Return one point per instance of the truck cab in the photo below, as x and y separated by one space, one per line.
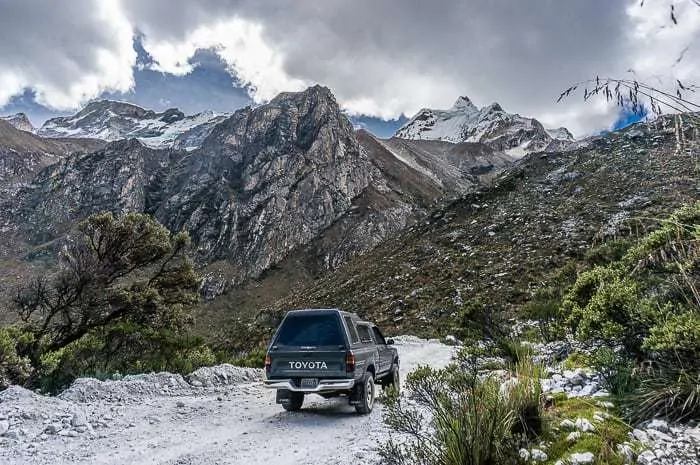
331 353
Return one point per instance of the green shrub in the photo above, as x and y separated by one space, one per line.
617 371
14 369
463 419
124 349
609 251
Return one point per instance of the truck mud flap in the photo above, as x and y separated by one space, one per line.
354 396
283 396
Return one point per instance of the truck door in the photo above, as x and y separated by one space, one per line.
385 354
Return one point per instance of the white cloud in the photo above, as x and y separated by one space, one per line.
380 58
67 52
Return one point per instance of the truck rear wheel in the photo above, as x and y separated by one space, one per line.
296 399
365 392
392 380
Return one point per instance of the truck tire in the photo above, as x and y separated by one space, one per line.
392 380
365 391
296 399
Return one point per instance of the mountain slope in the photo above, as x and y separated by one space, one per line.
110 120
502 243
23 155
491 125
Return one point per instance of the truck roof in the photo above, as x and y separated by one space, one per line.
324 310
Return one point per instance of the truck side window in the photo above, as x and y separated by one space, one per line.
378 336
365 336
354 338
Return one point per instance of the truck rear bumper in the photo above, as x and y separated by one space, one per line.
324 385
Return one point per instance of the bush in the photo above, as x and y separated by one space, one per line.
123 349
459 418
14 369
645 304
669 392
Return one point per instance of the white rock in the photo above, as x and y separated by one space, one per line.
659 425
524 454
78 419
53 428
574 436
640 435
581 458
583 425
658 436
538 455
626 451
646 458
567 425
4 426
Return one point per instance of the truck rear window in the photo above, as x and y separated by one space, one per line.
310 330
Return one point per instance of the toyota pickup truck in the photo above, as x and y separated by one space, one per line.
331 353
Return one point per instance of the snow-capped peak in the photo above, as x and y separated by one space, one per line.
463 103
114 120
491 125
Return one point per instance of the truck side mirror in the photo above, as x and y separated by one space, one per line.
389 342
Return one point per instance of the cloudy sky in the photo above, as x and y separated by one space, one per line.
383 59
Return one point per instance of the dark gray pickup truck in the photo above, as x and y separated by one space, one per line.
330 353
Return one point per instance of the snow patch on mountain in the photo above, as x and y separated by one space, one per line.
465 122
19 121
111 120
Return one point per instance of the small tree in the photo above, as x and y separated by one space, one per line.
116 271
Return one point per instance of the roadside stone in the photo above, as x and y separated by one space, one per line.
78 419
538 455
524 454
584 425
659 425
53 428
567 425
640 435
646 458
581 458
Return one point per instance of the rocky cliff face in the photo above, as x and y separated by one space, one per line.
491 125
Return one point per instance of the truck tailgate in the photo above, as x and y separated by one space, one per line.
322 363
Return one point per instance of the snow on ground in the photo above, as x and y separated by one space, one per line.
162 419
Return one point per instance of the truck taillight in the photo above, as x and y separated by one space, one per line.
268 362
350 362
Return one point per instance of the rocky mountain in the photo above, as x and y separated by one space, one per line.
286 179
19 121
111 120
490 125
501 243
